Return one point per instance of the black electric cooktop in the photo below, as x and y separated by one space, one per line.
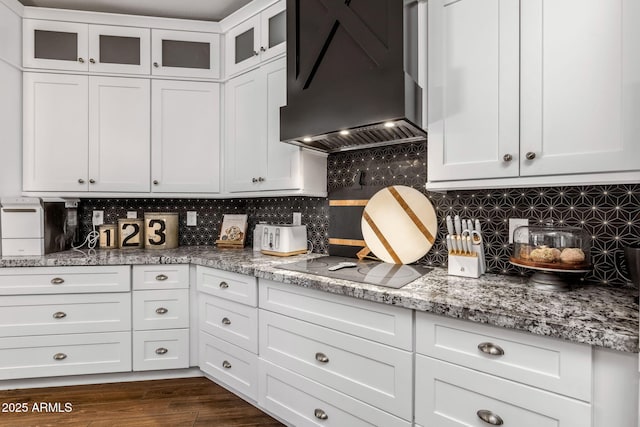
366 271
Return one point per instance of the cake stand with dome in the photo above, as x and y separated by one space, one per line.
555 252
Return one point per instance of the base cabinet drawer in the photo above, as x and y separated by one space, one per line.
450 396
302 402
229 364
165 276
22 315
228 285
56 355
163 349
160 309
230 321
67 280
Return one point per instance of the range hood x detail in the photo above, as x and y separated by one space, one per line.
350 74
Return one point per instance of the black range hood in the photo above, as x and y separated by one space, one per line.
351 67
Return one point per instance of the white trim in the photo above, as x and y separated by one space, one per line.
15 6
249 10
239 195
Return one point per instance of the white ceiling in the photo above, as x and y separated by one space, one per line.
206 10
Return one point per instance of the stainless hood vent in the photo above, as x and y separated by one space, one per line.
351 67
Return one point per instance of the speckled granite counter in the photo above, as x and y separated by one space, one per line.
596 315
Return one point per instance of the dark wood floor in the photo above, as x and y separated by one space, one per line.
175 402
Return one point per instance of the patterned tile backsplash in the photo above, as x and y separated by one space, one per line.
610 214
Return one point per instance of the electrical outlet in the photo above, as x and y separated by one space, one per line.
297 218
98 218
132 214
192 218
515 223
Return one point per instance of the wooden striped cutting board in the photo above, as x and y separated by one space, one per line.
399 224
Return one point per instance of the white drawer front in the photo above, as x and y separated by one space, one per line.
228 285
374 373
302 402
233 322
374 321
229 364
168 349
67 280
64 314
161 309
165 276
542 362
55 355
448 395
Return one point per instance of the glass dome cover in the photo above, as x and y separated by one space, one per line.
551 247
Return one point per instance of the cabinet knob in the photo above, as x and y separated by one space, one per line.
57 281
59 315
507 157
80 181
530 155
256 53
263 49
81 60
491 348
161 310
92 181
91 60
489 417
261 179
155 182
322 358
161 351
161 277
254 179
59 356
226 365
320 414
226 321
224 285
156 65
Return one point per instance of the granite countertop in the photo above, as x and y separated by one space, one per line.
591 314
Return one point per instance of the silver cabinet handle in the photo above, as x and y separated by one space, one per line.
507 157
81 60
59 356
161 310
161 277
489 417
491 348
530 155
263 49
59 315
57 281
93 61
226 365
322 358
261 179
161 351
155 182
92 181
254 179
320 414
80 181
156 65
224 285
226 321
256 53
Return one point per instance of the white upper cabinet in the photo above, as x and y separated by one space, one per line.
257 39
82 47
185 54
185 137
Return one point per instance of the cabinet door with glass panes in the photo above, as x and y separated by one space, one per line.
185 54
257 39
72 46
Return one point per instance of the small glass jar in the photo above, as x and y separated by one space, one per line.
553 247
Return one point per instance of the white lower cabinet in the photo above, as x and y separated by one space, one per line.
161 349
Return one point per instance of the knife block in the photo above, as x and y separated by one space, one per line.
464 265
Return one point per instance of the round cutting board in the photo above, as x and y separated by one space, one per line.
399 224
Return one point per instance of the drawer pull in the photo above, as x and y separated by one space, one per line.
57 281
161 277
59 356
322 358
59 315
489 417
491 348
226 365
226 321
161 351
320 414
224 285
161 310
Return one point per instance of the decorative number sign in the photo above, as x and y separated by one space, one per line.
161 230
131 233
108 236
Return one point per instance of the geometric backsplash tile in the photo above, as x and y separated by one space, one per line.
610 214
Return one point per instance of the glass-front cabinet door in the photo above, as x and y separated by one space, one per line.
55 45
273 24
119 49
185 54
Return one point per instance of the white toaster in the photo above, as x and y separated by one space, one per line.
283 239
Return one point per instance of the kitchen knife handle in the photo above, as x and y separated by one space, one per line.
450 225
457 224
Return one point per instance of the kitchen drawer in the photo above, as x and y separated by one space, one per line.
230 321
448 395
229 364
55 355
370 320
377 374
64 280
166 349
161 309
542 362
302 402
22 315
165 276
224 284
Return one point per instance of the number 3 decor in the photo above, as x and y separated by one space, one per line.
161 230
